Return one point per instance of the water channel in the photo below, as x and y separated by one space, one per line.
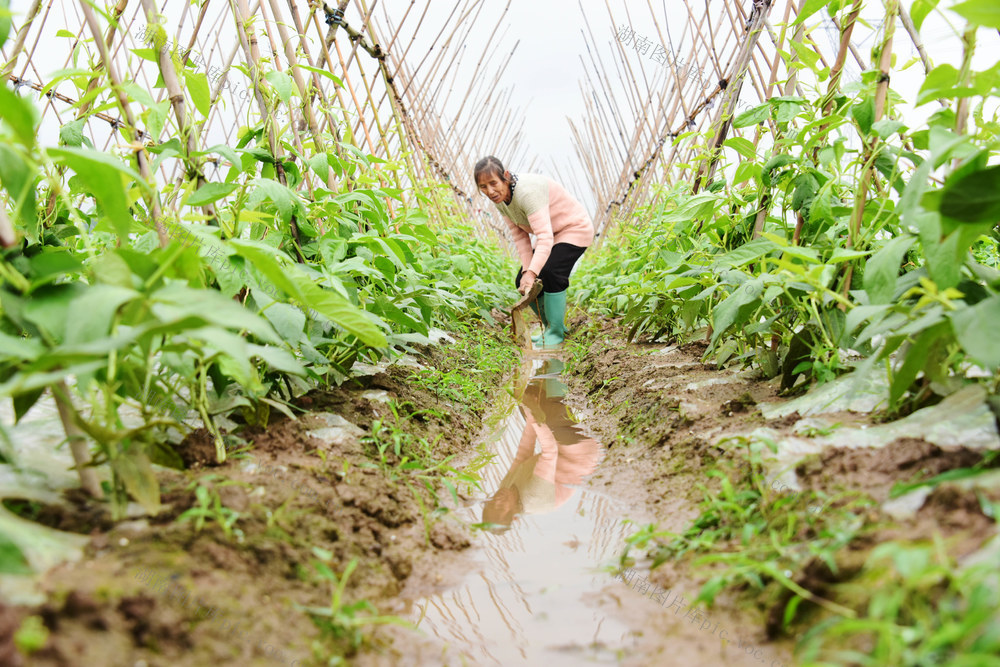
539 566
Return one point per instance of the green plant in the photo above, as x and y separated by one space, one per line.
845 230
108 299
31 636
922 609
342 621
210 507
761 539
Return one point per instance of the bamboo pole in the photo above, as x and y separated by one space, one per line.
142 160
78 446
881 95
19 38
733 88
177 102
248 42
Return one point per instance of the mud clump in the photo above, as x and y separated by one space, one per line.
876 470
197 448
741 404
10 621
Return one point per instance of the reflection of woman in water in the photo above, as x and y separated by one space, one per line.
541 482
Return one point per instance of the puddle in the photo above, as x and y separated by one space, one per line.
531 594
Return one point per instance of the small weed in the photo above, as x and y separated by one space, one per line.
402 456
342 622
210 507
810 431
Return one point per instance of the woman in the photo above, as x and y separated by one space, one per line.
532 203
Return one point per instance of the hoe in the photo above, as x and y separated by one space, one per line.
520 329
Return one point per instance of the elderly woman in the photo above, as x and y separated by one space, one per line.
535 204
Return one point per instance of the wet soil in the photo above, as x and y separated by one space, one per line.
157 591
665 416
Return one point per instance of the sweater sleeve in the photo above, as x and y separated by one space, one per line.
521 241
541 225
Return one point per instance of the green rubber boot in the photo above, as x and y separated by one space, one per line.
554 307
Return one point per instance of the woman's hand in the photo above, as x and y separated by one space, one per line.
528 279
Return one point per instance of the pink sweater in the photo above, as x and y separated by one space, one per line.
544 208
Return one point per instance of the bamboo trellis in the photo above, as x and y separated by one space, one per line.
380 79
351 67
726 59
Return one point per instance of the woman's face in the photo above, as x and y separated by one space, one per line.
495 187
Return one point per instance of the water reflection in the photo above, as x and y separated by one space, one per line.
529 597
540 482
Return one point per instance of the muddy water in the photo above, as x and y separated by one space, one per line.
530 596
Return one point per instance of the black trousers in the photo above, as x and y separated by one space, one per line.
555 274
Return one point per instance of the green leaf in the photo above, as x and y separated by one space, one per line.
177 303
71 133
920 10
282 84
136 473
746 171
209 193
16 348
937 84
107 178
293 282
12 560
323 72
807 53
285 199
24 402
864 114
975 328
5 23
806 186
776 162
787 111
287 320
745 254
742 146
90 315
225 151
981 12
20 114
887 127
197 86
112 269
398 316
916 359
882 270
974 197
752 116
22 382
277 358
736 307
810 8
49 306
909 202
320 165
18 177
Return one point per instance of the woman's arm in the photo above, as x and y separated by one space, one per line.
521 242
541 225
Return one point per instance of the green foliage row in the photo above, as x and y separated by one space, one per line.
251 315
905 275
